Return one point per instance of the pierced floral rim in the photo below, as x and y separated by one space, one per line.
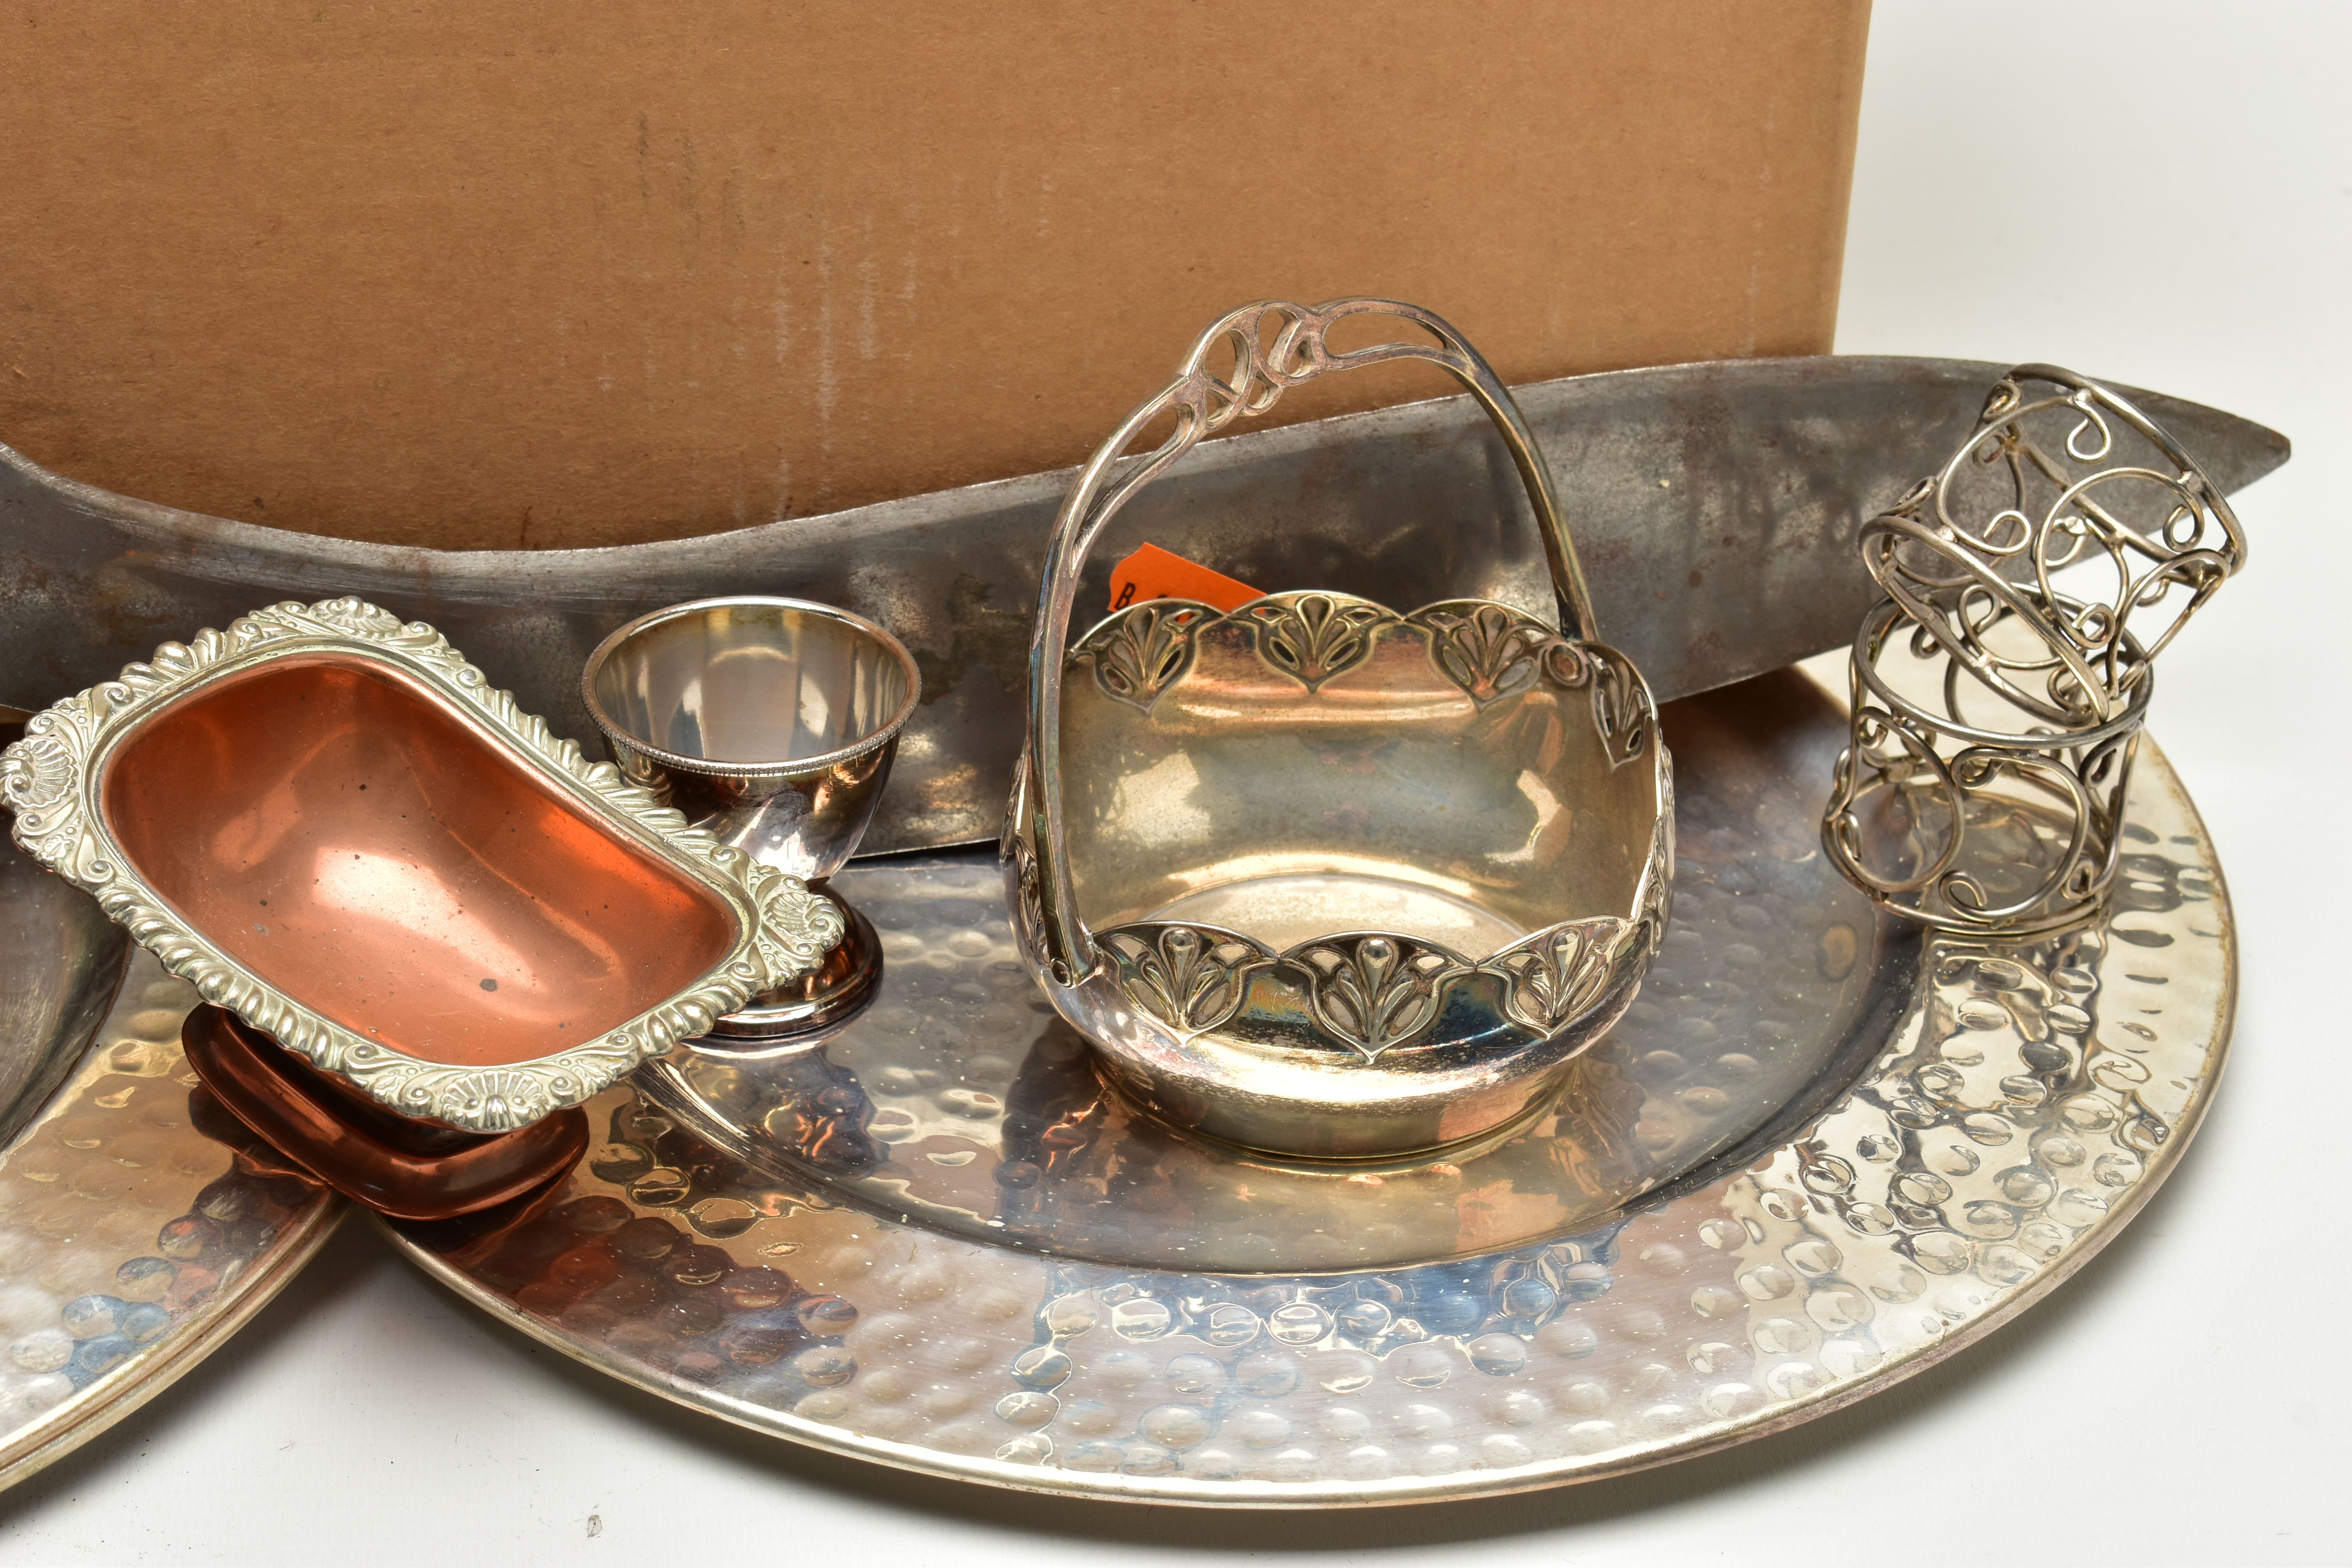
1376 995
1490 650
1370 991
49 780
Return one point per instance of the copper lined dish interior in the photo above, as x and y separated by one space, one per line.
347 839
339 831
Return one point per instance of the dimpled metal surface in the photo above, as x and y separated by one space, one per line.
1994 1128
961 1099
138 1230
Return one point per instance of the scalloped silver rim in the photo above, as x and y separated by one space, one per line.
49 780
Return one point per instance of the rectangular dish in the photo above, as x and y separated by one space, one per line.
331 823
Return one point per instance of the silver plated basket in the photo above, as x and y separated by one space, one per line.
1361 883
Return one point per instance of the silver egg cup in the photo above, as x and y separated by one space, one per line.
771 723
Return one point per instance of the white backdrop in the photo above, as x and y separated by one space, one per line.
2157 194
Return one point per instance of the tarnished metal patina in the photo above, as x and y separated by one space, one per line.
1715 506
1738 1238
331 823
1355 883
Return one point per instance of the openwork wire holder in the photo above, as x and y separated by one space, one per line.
1999 688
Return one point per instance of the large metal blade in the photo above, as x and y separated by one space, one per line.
1715 506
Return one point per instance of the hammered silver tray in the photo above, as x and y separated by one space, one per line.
139 1225
1817 1155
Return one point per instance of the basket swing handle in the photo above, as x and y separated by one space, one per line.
1205 400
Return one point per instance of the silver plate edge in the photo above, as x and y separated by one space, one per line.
45 1443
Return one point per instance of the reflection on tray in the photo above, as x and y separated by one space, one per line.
960 1100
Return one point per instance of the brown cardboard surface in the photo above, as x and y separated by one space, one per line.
489 273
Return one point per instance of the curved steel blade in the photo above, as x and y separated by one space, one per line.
1714 505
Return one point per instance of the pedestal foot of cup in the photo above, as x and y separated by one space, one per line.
828 994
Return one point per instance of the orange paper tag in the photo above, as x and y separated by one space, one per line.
1152 573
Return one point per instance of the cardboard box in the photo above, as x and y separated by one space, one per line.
495 274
